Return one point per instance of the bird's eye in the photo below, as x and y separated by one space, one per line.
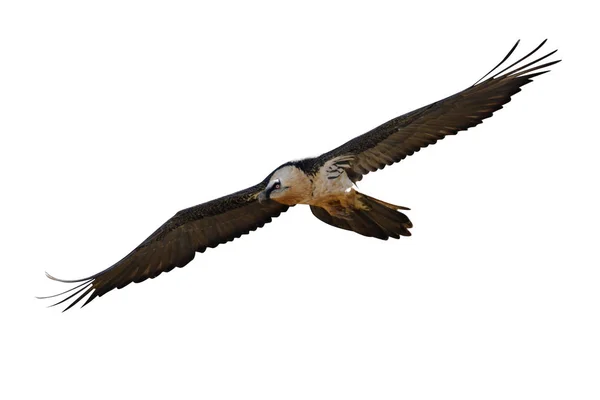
277 186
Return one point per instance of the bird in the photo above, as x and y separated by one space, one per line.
327 184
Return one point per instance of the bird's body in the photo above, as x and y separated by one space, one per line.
317 186
325 183
325 186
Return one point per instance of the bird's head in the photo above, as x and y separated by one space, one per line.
289 185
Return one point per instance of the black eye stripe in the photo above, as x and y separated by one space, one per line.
275 185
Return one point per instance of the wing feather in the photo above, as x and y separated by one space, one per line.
407 134
175 243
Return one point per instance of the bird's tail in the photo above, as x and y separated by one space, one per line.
374 218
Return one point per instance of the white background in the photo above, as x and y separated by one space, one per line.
117 114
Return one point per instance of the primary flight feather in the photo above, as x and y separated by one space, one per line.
325 183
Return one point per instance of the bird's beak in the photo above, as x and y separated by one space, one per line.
262 197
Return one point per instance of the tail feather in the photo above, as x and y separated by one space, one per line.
374 218
389 226
395 223
367 226
388 205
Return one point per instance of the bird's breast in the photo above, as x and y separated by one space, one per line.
326 188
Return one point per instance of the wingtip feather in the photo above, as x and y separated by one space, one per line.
66 291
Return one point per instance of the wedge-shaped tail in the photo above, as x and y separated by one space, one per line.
375 218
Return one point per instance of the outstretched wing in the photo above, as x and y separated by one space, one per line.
407 134
174 244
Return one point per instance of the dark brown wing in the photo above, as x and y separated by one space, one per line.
407 134
174 244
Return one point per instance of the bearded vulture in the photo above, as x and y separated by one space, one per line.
325 183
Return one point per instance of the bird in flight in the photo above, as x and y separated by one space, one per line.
326 183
